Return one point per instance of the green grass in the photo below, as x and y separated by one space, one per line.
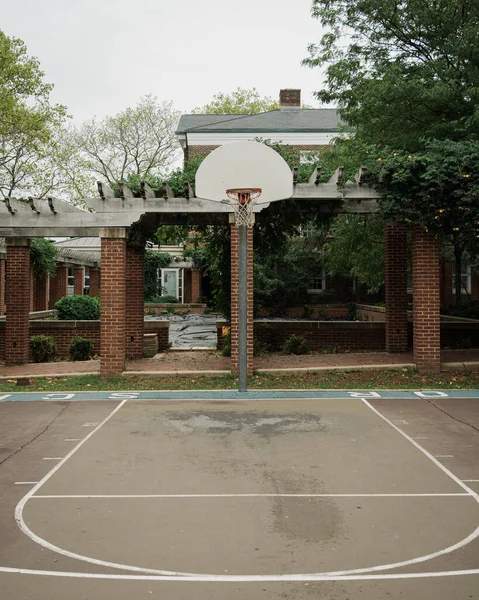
406 379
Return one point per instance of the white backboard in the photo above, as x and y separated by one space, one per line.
244 165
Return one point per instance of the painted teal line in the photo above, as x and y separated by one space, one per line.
232 395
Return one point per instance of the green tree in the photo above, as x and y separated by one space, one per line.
354 248
283 272
401 71
139 141
43 255
27 118
239 102
437 189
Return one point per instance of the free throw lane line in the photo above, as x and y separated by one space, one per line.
222 496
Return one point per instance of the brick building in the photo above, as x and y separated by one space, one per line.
305 129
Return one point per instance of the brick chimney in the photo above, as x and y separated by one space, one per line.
289 99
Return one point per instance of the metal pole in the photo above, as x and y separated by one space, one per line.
243 309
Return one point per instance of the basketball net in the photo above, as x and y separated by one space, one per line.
243 203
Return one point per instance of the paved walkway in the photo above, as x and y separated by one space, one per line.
211 362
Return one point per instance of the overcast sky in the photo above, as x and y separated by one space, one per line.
102 55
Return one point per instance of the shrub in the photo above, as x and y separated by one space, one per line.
164 300
43 348
226 350
78 308
80 348
296 344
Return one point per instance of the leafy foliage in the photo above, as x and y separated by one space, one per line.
285 271
296 344
138 141
80 348
402 71
164 300
239 102
78 308
354 247
42 348
43 255
27 119
153 262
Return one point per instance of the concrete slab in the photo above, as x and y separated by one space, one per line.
313 469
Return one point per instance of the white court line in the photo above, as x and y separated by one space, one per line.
46 544
421 437
52 458
444 455
470 480
243 578
26 482
363 573
72 439
221 496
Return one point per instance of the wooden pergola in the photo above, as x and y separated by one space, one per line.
110 217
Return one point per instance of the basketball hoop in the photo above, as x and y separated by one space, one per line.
242 202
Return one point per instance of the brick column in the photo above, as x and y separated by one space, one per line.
234 299
113 301
41 292
135 313
2 286
78 281
395 245
425 282
17 338
196 279
59 285
94 281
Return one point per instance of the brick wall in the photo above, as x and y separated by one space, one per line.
94 282
187 292
426 300
78 281
113 303
65 331
321 335
58 285
2 286
310 311
395 242
151 308
17 337
41 292
135 284
196 277
445 275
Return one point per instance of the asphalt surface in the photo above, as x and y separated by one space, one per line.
332 498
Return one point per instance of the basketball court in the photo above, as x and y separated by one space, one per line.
226 498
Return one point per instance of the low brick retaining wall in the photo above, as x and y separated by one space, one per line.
311 311
65 331
321 335
349 335
177 308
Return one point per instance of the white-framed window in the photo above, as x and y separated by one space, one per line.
71 281
86 285
465 280
318 284
172 283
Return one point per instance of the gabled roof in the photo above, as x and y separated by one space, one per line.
296 120
79 242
